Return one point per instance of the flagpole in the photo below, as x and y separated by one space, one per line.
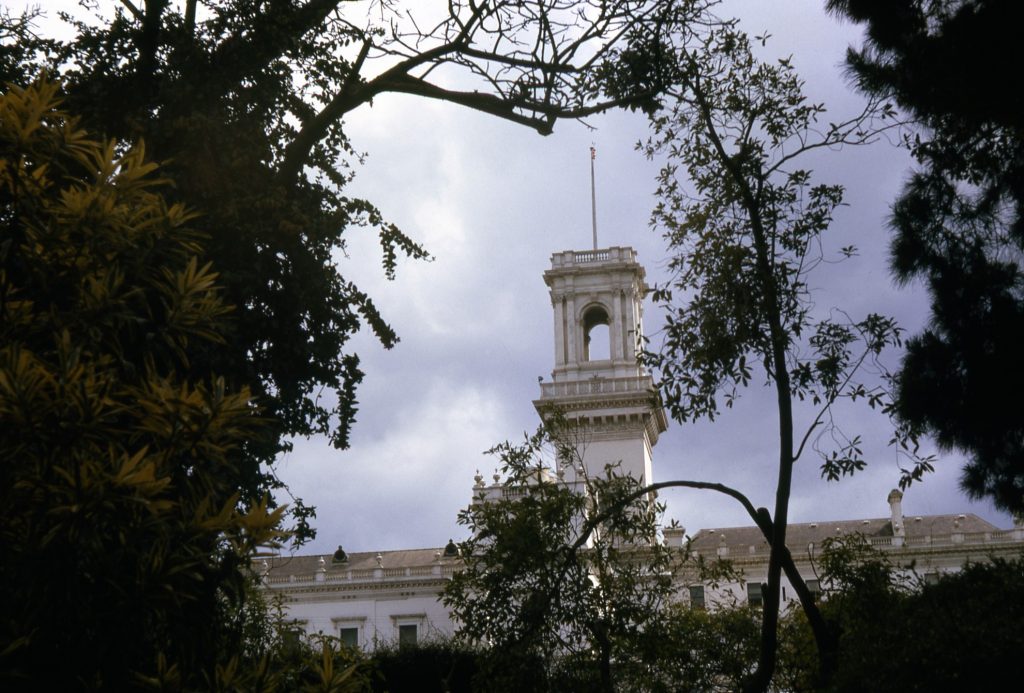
593 195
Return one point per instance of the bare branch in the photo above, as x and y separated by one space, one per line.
523 55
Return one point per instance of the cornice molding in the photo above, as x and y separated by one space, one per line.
351 592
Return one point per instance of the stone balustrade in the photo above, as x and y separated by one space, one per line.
570 258
597 386
887 544
369 575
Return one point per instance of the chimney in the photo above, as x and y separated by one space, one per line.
896 513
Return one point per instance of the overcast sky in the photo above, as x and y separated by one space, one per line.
492 201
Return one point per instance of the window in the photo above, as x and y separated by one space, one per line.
931 578
597 342
754 594
407 628
407 634
350 630
697 596
292 635
814 587
349 636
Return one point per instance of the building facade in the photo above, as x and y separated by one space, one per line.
596 384
925 545
364 598
599 387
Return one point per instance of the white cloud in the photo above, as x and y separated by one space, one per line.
401 485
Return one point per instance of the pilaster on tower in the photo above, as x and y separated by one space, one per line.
601 389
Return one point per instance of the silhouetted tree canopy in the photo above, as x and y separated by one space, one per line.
959 221
120 531
900 632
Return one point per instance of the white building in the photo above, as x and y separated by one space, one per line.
365 598
928 545
597 300
597 383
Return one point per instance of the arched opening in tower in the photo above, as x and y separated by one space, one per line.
597 341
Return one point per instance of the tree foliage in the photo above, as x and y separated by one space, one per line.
245 101
437 665
119 525
897 630
693 649
550 591
900 632
744 219
958 222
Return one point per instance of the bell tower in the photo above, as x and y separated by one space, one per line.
597 383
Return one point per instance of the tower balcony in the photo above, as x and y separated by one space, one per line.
597 386
572 258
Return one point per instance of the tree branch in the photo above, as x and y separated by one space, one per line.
516 111
350 96
190 18
512 61
268 40
829 402
135 11
542 68
824 636
148 41
839 134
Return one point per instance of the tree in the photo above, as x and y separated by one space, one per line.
744 220
124 551
553 593
900 632
245 101
694 649
958 222
438 665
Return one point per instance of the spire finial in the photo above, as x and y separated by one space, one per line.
593 194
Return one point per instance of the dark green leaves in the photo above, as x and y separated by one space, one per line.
123 538
555 570
958 222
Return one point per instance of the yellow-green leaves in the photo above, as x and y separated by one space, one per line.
123 533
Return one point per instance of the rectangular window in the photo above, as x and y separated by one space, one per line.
406 635
349 636
292 635
931 578
697 596
814 587
754 594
